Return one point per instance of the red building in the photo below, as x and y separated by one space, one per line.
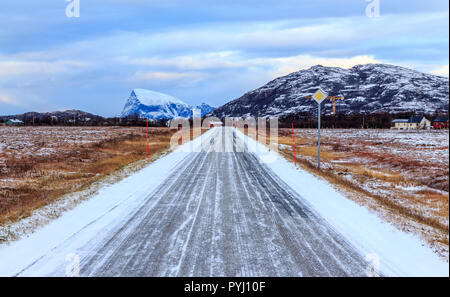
440 123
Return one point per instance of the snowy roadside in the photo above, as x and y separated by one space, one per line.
42 216
91 216
399 253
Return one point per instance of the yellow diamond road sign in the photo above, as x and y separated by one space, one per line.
319 96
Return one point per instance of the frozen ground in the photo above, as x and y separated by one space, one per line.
213 213
38 165
401 175
21 142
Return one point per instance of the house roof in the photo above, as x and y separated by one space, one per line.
441 120
416 119
413 119
15 121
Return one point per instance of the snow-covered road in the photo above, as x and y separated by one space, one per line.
211 214
222 214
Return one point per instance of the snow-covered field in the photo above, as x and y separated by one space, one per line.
40 164
22 142
385 247
399 253
402 175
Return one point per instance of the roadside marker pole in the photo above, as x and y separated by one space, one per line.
319 96
148 146
179 128
318 146
293 139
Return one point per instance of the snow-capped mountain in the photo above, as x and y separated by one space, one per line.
205 108
367 89
154 105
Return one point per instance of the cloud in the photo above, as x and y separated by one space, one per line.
442 71
210 62
349 36
21 100
236 59
200 61
169 76
9 101
284 66
20 68
328 37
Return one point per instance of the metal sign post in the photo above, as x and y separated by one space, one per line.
318 138
319 96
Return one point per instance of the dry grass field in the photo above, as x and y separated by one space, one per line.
40 164
402 175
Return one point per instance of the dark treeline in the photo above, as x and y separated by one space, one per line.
304 120
131 121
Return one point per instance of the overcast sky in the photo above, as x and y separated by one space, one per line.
199 51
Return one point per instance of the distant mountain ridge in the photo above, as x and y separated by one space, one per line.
65 116
155 105
370 88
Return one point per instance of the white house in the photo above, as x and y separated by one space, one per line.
400 124
14 122
414 122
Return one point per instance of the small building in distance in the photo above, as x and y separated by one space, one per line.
215 124
14 122
440 123
414 122
419 122
400 124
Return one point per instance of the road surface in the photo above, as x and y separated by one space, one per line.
218 214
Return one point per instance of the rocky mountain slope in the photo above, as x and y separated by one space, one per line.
370 88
